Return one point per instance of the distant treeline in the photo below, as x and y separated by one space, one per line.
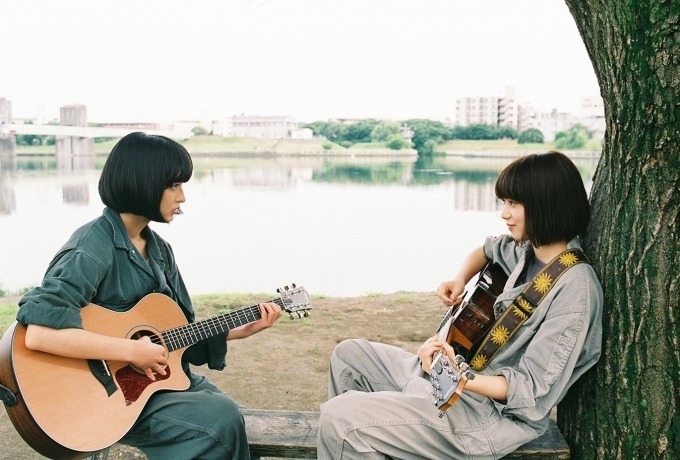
425 135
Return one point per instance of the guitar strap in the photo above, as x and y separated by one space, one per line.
523 306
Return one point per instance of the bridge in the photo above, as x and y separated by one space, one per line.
86 132
74 143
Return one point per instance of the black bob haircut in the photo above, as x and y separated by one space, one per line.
551 190
139 169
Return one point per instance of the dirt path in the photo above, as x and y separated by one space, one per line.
286 367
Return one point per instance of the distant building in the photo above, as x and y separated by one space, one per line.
259 127
592 116
549 122
222 128
73 115
5 110
477 110
302 134
506 111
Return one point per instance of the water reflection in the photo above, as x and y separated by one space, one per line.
341 226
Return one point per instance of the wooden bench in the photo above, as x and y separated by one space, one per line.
292 434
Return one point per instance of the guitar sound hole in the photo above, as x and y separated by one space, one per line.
137 335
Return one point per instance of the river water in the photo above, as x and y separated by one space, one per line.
339 226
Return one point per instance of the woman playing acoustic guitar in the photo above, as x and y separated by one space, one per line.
115 261
381 403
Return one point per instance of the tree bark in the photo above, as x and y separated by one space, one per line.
627 406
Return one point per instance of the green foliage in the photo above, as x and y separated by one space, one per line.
531 136
360 131
199 131
385 130
574 138
344 134
427 134
327 145
29 139
481 131
396 142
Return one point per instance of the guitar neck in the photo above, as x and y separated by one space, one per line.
191 333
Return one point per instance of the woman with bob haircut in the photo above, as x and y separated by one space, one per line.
381 397
116 260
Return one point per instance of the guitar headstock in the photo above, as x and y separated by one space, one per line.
448 379
294 300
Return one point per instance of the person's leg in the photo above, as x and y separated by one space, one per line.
361 365
385 424
199 423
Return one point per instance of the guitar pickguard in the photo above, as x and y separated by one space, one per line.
133 382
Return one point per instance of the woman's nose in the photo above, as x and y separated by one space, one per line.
504 212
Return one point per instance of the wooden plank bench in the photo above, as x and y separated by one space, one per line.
292 434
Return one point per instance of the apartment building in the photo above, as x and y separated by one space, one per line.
260 127
505 111
263 127
5 110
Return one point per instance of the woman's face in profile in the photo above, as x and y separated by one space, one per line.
173 197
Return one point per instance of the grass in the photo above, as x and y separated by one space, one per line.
508 145
8 313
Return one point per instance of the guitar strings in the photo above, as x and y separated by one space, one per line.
191 333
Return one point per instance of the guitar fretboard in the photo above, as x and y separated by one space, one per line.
189 334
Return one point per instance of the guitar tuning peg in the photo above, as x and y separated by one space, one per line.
294 285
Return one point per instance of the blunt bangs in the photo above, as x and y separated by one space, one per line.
139 169
551 190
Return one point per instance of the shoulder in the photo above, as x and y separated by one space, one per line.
578 289
505 251
94 239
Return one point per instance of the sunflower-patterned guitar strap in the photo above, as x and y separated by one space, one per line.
523 306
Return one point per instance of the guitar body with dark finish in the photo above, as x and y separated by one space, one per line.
468 322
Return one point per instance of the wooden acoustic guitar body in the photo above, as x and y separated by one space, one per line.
64 411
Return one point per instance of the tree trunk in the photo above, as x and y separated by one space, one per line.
627 406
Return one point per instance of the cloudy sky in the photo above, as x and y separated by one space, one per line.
166 60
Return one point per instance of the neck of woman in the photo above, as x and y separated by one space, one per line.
548 252
134 224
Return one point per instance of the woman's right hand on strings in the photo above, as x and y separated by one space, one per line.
149 358
450 291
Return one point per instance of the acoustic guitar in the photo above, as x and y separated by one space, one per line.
463 326
70 408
